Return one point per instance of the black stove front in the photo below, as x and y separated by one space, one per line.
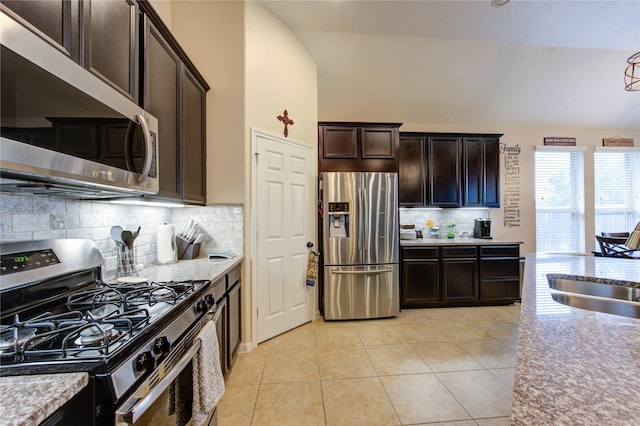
60 317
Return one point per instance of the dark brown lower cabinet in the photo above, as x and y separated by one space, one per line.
499 273
460 275
234 285
420 277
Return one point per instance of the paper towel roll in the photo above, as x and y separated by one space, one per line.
166 244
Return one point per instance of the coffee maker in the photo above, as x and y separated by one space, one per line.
482 228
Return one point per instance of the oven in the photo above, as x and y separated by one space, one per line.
136 340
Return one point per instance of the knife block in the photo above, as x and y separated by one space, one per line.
186 249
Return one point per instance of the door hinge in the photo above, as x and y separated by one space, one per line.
257 312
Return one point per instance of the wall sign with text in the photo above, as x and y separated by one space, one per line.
511 193
556 141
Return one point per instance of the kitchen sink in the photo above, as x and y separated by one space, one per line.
595 296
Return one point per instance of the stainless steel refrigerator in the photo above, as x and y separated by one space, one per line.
361 245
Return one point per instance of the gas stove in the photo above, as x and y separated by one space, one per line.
58 315
93 324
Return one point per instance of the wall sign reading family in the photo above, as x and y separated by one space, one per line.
511 204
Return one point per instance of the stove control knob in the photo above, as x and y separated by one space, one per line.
202 306
161 346
145 361
210 300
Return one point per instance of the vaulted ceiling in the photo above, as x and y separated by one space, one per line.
526 63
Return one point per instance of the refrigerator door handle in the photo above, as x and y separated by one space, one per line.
361 224
369 272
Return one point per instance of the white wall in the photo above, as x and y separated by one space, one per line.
163 7
279 75
212 34
257 68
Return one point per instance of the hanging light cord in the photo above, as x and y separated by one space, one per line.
632 74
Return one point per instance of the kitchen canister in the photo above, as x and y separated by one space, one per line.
166 244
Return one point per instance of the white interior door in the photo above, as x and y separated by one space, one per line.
283 209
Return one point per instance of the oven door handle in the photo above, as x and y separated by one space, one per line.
133 408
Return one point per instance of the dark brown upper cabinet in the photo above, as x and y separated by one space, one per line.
473 172
126 44
107 30
111 43
358 147
443 171
162 100
175 93
481 172
56 21
194 147
491 172
411 178
451 170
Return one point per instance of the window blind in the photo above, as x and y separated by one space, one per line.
559 188
616 190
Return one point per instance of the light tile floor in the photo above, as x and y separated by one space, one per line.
452 366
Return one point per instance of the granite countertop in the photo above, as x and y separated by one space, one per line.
195 269
29 400
576 366
461 241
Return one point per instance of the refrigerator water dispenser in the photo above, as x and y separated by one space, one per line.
338 220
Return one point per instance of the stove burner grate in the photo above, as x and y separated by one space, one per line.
94 298
69 334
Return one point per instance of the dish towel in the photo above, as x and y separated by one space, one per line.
208 381
180 401
312 268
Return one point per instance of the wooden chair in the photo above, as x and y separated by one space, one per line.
614 247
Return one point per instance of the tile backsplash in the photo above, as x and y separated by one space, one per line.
463 218
26 217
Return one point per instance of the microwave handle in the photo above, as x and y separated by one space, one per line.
149 148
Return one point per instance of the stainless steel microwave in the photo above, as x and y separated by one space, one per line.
66 132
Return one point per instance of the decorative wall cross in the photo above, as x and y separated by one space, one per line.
286 121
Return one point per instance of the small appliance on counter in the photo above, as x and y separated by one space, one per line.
482 228
408 232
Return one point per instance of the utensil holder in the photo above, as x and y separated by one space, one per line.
126 262
186 249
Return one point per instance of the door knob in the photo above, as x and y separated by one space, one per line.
309 244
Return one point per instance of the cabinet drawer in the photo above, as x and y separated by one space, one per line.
459 251
420 253
500 268
500 251
233 277
502 289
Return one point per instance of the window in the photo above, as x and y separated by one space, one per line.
616 190
559 200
